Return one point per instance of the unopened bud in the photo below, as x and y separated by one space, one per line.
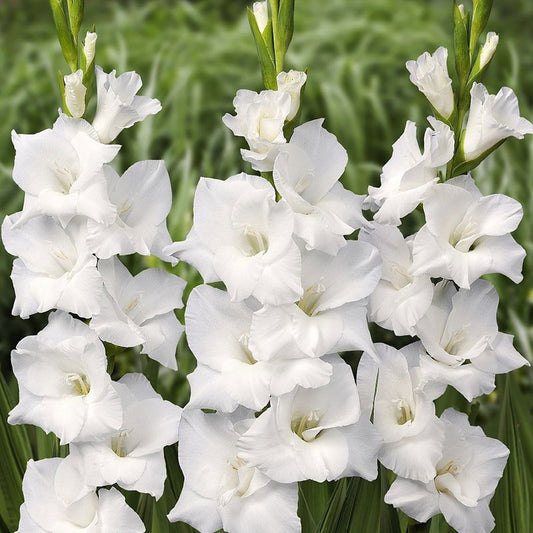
488 49
75 93
461 8
260 10
89 47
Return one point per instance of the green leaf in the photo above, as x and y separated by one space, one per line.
64 35
511 504
389 521
265 54
284 31
460 42
75 15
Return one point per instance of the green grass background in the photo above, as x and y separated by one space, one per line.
193 56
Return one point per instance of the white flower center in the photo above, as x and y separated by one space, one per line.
79 383
301 424
65 263
465 235
132 305
65 177
400 278
236 481
255 241
457 337
244 341
404 413
119 442
311 298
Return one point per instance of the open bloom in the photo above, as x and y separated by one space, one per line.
314 433
461 337
492 119
54 268
243 237
260 118
430 74
400 299
118 105
306 174
409 175
44 511
140 310
228 374
61 172
403 413
291 83
133 455
331 314
221 490
63 382
467 475
467 235
143 198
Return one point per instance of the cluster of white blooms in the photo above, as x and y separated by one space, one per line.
430 288
287 405
78 215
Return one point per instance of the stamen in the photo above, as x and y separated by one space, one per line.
309 421
404 412
117 444
311 298
79 383
256 241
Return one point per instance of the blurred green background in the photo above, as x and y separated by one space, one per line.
194 55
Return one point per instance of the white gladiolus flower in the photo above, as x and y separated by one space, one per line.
75 93
314 433
260 118
143 198
63 382
54 268
400 299
467 475
331 315
488 49
467 235
403 413
430 74
306 174
45 512
118 105
409 175
61 172
229 375
260 11
291 83
243 237
140 310
220 489
89 47
492 119
461 336
133 456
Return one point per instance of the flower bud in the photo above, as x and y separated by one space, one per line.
75 93
488 49
260 10
291 83
89 47
461 8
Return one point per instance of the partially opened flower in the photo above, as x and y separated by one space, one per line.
63 382
133 456
140 310
227 374
410 175
467 475
143 197
61 172
306 174
75 93
260 118
467 235
54 268
314 433
243 237
403 413
461 337
43 510
331 314
492 119
400 299
221 490
430 74
291 83
118 105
